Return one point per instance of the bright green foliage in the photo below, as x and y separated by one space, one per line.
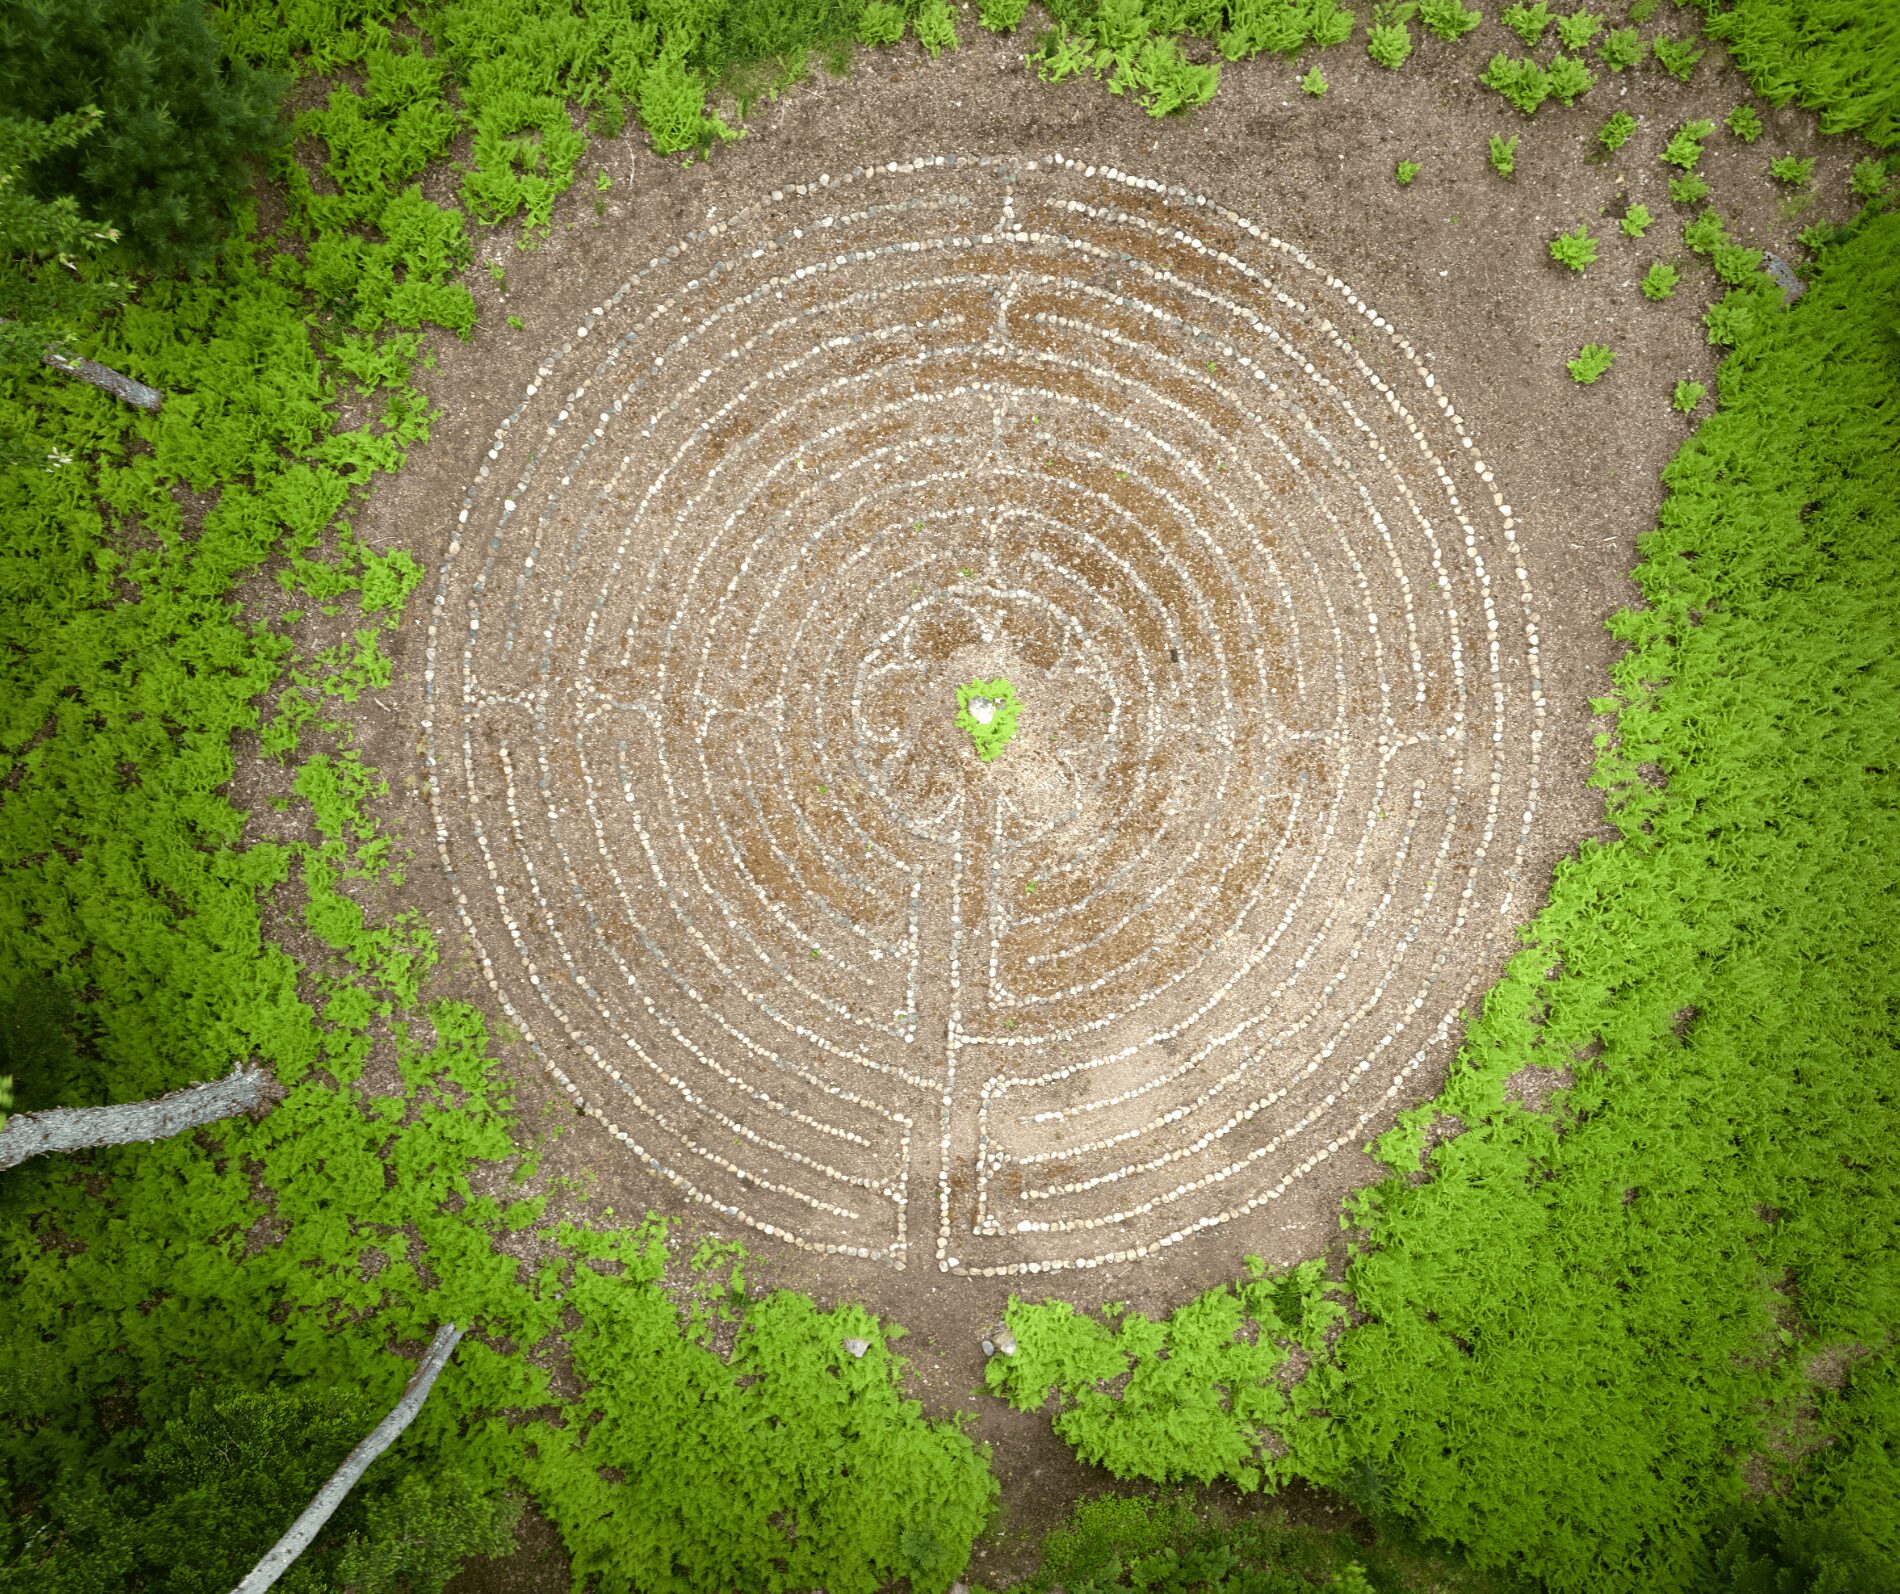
1575 249
992 736
1678 56
1706 233
1170 1543
1621 49
1524 83
1689 190
1869 179
1117 36
165 165
1838 57
1636 221
1282 27
1614 133
1592 360
1406 171
1735 264
1527 21
1448 19
1314 82
1787 169
1743 123
1642 10
1002 16
1389 44
1684 148
881 24
936 29
1659 282
1687 396
1201 1393
1569 79
1578 29
1503 154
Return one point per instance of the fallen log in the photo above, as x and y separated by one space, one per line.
28 1134
116 383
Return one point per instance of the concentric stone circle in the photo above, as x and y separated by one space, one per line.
739 879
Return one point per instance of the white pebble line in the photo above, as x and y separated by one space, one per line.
806 271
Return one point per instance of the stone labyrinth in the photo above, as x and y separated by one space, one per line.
732 868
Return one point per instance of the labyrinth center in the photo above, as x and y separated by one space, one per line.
732 867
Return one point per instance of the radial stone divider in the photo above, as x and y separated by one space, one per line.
690 715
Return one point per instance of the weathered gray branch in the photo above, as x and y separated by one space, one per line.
278 1559
28 1134
102 376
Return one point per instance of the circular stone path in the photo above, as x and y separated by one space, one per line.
689 703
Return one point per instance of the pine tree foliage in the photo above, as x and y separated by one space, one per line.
167 163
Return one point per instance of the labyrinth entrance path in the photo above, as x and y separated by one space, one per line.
689 693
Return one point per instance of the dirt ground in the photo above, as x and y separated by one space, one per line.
1456 263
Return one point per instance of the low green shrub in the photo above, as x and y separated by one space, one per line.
1503 155
1687 396
1743 123
1621 49
1684 148
1659 282
1788 169
1406 171
1527 21
1575 249
1523 82
1576 31
1591 362
1448 19
1678 56
1569 79
1614 133
1636 221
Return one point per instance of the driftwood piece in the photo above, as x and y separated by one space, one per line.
104 377
27 1134
277 1560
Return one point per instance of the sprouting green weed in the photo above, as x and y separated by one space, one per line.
1527 21
1706 233
1448 19
1503 156
1684 148
1660 281
1406 171
1524 83
1575 249
602 182
1591 362
1578 29
1621 49
1388 41
1743 123
516 322
1614 133
1689 190
1314 82
1788 169
1687 396
1569 79
1643 10
1637 221
1869 180
500 273
1678 56
987 712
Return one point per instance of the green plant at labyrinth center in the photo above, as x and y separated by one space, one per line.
986 713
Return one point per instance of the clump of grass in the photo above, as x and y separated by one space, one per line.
1524 83
1575 249
1684 148
1503 155
1448 19
1621 49
1527 21
1637 221
1678 56
1687 396
1743 123
1660 281
1592 360
1787 169
1615 133
1314 82
1406 171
